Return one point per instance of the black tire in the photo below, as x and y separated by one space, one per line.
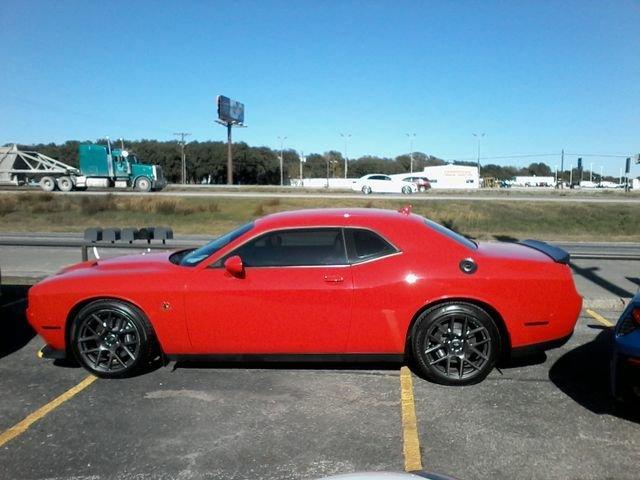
366 189
143 184
65 184
455 343
117 328
48 184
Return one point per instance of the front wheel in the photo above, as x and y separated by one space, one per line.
143 184
112 339
455 343
407 190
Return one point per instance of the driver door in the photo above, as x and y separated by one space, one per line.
295 297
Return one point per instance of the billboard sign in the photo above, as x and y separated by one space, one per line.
230 111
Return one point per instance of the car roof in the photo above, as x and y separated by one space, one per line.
331 217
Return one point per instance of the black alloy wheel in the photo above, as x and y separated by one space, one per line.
455 343
112 339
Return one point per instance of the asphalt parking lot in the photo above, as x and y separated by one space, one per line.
543 417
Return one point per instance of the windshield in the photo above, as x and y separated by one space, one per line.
451 234
199 254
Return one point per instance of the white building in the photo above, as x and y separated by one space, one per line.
534 181
453 176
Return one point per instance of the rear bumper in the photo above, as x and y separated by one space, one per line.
540 347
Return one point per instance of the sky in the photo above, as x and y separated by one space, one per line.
535 76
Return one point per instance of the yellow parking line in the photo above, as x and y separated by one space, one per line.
411 442
599 318
20 427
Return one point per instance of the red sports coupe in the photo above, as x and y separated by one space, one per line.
334 283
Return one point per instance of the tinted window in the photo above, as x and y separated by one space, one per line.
295 248
377 177
451 234
365 245
199 254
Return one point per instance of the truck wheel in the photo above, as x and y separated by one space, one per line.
143 184
48 184
65 184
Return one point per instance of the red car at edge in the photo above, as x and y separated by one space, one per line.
334 283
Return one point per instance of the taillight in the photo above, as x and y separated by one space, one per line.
630 323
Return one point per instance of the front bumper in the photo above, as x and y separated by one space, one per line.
49 352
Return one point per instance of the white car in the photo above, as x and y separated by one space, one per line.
379 183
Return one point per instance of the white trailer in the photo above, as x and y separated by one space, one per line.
19 167
453 176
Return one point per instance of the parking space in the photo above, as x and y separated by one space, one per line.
544 417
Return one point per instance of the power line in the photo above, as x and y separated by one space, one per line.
182 135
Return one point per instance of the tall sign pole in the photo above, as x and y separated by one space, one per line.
230 113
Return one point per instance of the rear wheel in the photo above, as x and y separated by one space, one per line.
455 343
406 190
65 184
48 184
143 184
112 339
366 189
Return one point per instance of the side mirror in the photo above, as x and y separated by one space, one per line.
234 266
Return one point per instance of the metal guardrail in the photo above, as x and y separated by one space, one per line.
85 246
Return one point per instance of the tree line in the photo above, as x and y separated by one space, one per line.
207 162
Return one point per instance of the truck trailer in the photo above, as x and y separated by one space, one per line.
100 167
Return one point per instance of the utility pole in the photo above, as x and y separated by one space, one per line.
562 169
182 135
411 137
479 136
346 137
591 172
282 139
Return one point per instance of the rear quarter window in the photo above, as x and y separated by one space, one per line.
363 244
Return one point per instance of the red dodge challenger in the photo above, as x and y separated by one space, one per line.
334 283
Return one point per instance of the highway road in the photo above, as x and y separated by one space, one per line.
428 197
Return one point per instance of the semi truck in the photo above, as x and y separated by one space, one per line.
100 166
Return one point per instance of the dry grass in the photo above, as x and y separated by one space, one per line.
37 212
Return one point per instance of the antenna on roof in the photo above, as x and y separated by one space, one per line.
406 209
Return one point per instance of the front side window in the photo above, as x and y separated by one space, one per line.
199 254
299 247
366 245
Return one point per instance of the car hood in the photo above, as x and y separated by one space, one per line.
125 263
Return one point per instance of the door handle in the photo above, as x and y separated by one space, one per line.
333 279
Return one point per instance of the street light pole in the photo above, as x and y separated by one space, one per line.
479 136
282 139
411 137
346 137
302 160
570 175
